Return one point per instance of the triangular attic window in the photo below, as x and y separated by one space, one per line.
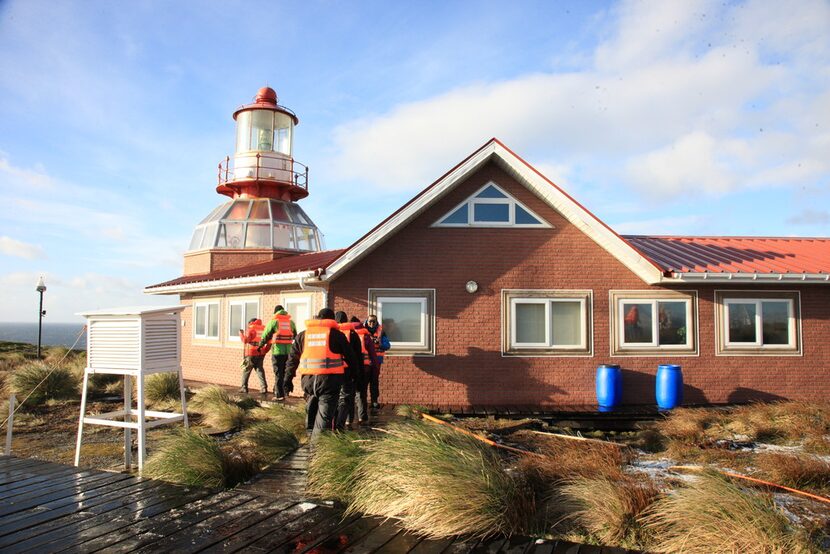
490 206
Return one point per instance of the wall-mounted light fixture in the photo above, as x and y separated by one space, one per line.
471 286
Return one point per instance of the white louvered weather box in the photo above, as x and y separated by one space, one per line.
135 343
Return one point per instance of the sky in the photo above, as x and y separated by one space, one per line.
663 118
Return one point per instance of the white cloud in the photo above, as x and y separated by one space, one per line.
20 249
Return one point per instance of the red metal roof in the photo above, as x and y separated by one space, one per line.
288 264
736 254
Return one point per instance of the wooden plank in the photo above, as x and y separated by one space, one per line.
22 481
462 545
322 530
273 524
489 546
345 535
431 546
158 521
375 539
565 547
307 521
178 521
217 528
517 545
51 483
75 488
403 542
23 472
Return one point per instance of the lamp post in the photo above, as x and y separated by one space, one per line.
41 288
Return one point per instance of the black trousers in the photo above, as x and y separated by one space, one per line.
363 395
278 361
321 395
345 404
374 385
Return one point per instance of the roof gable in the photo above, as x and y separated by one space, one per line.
526 175
491 206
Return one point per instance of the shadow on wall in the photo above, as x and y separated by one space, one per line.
492 387
743 394
639 389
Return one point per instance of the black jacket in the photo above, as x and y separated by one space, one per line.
337 344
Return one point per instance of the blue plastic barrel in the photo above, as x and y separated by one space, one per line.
609 386
669 387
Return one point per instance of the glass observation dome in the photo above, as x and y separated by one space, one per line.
257 223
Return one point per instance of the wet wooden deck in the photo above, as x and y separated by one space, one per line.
48 507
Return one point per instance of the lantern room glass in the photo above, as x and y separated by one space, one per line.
264 131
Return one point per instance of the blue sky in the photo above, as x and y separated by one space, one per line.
685 118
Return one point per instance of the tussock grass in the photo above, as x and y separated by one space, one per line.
565 458
247 403
209 396
162 387
788 421
610 509
711 514
440 483
192 458
270 439
289 417
410 411
794 471
332 470
218 409
688 425
61 383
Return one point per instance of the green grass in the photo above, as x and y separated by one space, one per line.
289 417
218 409
271 440
332 470
711 514
162 388
60 383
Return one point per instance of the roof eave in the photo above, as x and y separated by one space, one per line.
273 279
768 278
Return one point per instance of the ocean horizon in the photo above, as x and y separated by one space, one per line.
54 334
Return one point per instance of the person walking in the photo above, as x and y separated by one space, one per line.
321 355
254 355
382 344
345 404
280 333
370 362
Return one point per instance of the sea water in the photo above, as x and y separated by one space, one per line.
54 334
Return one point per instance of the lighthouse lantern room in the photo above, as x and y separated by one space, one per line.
262 221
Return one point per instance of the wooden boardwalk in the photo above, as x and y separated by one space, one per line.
48 507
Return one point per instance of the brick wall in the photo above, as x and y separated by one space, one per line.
468 368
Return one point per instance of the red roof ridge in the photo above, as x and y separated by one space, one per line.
723 237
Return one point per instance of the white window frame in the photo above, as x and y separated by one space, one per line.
512 297
206 305
723 298
233 334
511 202
655 324
425 298
298 299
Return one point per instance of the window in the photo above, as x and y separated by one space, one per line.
206 320
240 312
490 206
299 307
757 323
653 322
545 322
408 318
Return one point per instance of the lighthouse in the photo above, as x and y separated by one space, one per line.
262 220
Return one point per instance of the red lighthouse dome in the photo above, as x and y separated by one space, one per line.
263 164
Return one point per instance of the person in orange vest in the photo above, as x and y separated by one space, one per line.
382 344
321 355
280 333
370 364
254 355
345 404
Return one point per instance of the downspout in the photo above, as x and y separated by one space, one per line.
319 271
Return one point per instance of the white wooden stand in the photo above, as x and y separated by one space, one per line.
134 343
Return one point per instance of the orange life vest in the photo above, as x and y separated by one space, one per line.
376 339
345 328
363 332
282 334
317 357
252 339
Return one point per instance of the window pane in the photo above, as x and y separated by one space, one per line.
776 322
305 239
213 320
282 133
243 124
239 210
490 192
258 236
201 320
283 238
637 323
278 211
196 241
741 322
566 318
262 130
251 310
230 235
672 322
458 216
499 213
402 321
235 320
209 240
260 210
524 218
530 323
299 311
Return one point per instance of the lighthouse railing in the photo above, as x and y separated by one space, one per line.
256 166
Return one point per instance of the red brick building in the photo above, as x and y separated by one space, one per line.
496 288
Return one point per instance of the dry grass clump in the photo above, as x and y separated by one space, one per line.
440 483
292 418
162 388
412 411
788 421
332 470
270 439
60 383
794 471
218 409
193 458
610 509
688 425
564 458
711 514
